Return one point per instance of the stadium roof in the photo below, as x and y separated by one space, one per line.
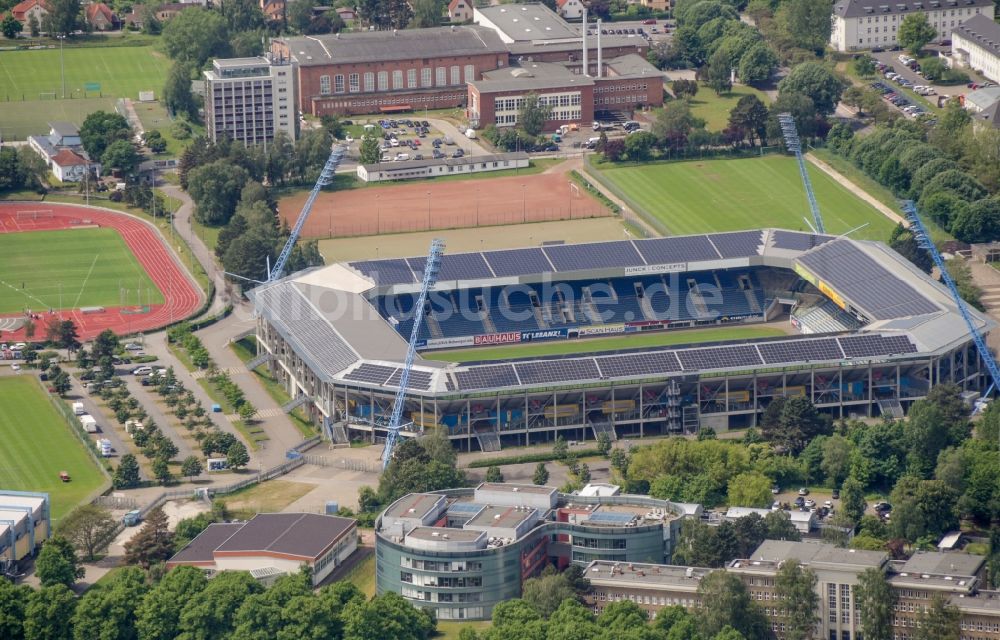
325 314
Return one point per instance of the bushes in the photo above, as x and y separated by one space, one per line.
544 456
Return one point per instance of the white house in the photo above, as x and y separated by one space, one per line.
804 521
975 44
69 166
570 9
63 152
430 167
873 24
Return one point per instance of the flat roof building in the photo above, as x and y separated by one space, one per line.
283 541
25 523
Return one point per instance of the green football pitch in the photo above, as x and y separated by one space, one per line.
591 345
699 196
69 269
38 444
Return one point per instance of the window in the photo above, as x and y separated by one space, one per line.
470 73
369 82
425 77
456 75
411 78
383 80
441 76
324 85
353 83
397 79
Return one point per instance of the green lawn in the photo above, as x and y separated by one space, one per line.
560 347
715 109
38 444
700 196
121 71
70 269
153 115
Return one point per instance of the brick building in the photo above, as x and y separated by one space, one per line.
381 71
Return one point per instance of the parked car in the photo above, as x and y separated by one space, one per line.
141 370
803 491
458 153
133 346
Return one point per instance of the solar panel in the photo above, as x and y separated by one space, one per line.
739 244
800 350
638 364
870 345
487 377
865 282
557 370
610 517
517 262
719 357
466 508
671 250
456 266
383 272
595 255
796 241
372 373
418 379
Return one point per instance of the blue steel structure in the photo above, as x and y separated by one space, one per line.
919 231
430 277
325 176
791 135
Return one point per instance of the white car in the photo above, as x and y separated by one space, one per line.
138 371
394 142
20 346
348 138
810 503
133 346
15 367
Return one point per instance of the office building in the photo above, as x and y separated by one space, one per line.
866 24
249 100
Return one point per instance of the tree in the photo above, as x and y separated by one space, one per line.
10 27
64 17
87 527
757 64
426 13
237 456
299 14
109 612
750 116
718 75
191 467
385 14
796 587
57 563
533 115
33 26
546 592
852 500
864 65
979 222
100 129
792 422
560 449
750 489
126 475
674 123
778 526
121 156
726 602
816 81
13 601
493 474
161 470
215 188
153 543
805 23
836 463
915 32
875 600
195 35
158 617
370 151
922 508
386 617
246 411
63 334
905 244
177 96
541 475
49 614
604 443
940 621
61 383
685 88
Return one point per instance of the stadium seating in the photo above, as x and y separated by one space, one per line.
828 318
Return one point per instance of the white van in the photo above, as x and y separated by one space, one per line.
138 371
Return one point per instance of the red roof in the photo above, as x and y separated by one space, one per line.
68 158
454 3
92 10
21 8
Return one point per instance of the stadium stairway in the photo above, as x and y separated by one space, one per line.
891 407
259 360
828 318
488 440
603 426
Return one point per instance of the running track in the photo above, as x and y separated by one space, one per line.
181 297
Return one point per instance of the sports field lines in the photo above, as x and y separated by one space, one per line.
591 345
70 269
700 196
38 444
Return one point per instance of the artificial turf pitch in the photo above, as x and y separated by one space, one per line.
37 444
91 267
705 196
591 345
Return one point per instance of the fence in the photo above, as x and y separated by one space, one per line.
347 464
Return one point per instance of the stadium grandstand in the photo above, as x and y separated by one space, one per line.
867 334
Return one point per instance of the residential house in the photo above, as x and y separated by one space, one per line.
975 44
132 20
69 166
165 12
274 10
63 152
658 6
570 9
346 14
460 11
24 11
100 17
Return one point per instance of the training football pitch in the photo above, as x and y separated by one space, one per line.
591 345
37 444
31 84
69 269
699 196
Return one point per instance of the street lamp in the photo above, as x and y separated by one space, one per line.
62 66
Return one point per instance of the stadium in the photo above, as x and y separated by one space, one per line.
863 333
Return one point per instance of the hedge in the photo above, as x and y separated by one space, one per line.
544 456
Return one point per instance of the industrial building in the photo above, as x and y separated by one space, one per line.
958 576
25 523
249 100
432 167
461 552
273 544
868 334
866 24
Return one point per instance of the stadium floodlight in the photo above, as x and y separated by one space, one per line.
792 142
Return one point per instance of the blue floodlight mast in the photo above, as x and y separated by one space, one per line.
919 232
430 277
791 135
325 176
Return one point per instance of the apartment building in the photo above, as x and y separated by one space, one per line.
249 100
975 44
874 24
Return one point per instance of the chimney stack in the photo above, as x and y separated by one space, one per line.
600 56
586 65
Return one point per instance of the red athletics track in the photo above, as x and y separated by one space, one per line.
181 296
